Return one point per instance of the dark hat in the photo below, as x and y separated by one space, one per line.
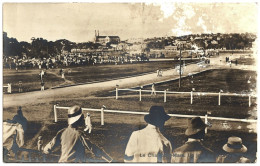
156 116
195 125
74 114
234 145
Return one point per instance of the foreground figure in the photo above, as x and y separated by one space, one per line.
193 151
235 151
148 144
74 145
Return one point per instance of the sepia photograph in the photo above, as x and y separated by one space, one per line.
129 82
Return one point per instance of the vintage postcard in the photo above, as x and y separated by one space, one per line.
140 82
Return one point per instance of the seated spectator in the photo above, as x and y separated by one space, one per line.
193 151
13 138
19 118
234 152
73 142
148 144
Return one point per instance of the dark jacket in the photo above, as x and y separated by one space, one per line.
74 146
193 152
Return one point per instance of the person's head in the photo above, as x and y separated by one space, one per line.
157 117
19 111
234 145
88 114
196 128
75 116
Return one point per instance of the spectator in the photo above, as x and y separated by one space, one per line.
39 143
193 151
13 138
9 88
153 90
148 144
20 85
42 86
235 151
88 123
73 141
19 118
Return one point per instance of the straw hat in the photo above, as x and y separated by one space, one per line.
234 145
195 125
156 116
74 114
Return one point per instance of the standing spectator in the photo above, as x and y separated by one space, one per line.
41 74
20 85
153 90
88 123
149 144
9 88
193 151
42 86
236 62
157 71
61 71
19 118
39 143
73 141
235 151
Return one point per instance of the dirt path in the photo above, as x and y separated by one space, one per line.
86 90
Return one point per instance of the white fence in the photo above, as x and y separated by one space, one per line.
9 88
103 110
165 92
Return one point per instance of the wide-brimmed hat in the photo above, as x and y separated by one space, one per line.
156 116
234 145
195 125
74 114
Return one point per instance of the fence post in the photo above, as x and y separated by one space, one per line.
219 98
116 93
191 97
206 122
165 96
249 100
140 94
55 113
102 116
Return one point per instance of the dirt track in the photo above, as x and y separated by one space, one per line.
87 90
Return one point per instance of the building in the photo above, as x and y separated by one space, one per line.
106 39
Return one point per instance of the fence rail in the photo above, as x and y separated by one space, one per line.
9 88
192 93
103 110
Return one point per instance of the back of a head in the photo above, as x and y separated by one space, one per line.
75 116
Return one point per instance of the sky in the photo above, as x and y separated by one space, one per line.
77 22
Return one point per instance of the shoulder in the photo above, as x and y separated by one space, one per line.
181 148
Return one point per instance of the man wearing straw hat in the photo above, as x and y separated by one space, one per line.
193 151
148 144
235 151
73 141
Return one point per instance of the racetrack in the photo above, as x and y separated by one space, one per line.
86 90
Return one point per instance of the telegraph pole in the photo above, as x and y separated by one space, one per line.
180 68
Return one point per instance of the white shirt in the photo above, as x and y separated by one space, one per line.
147 145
